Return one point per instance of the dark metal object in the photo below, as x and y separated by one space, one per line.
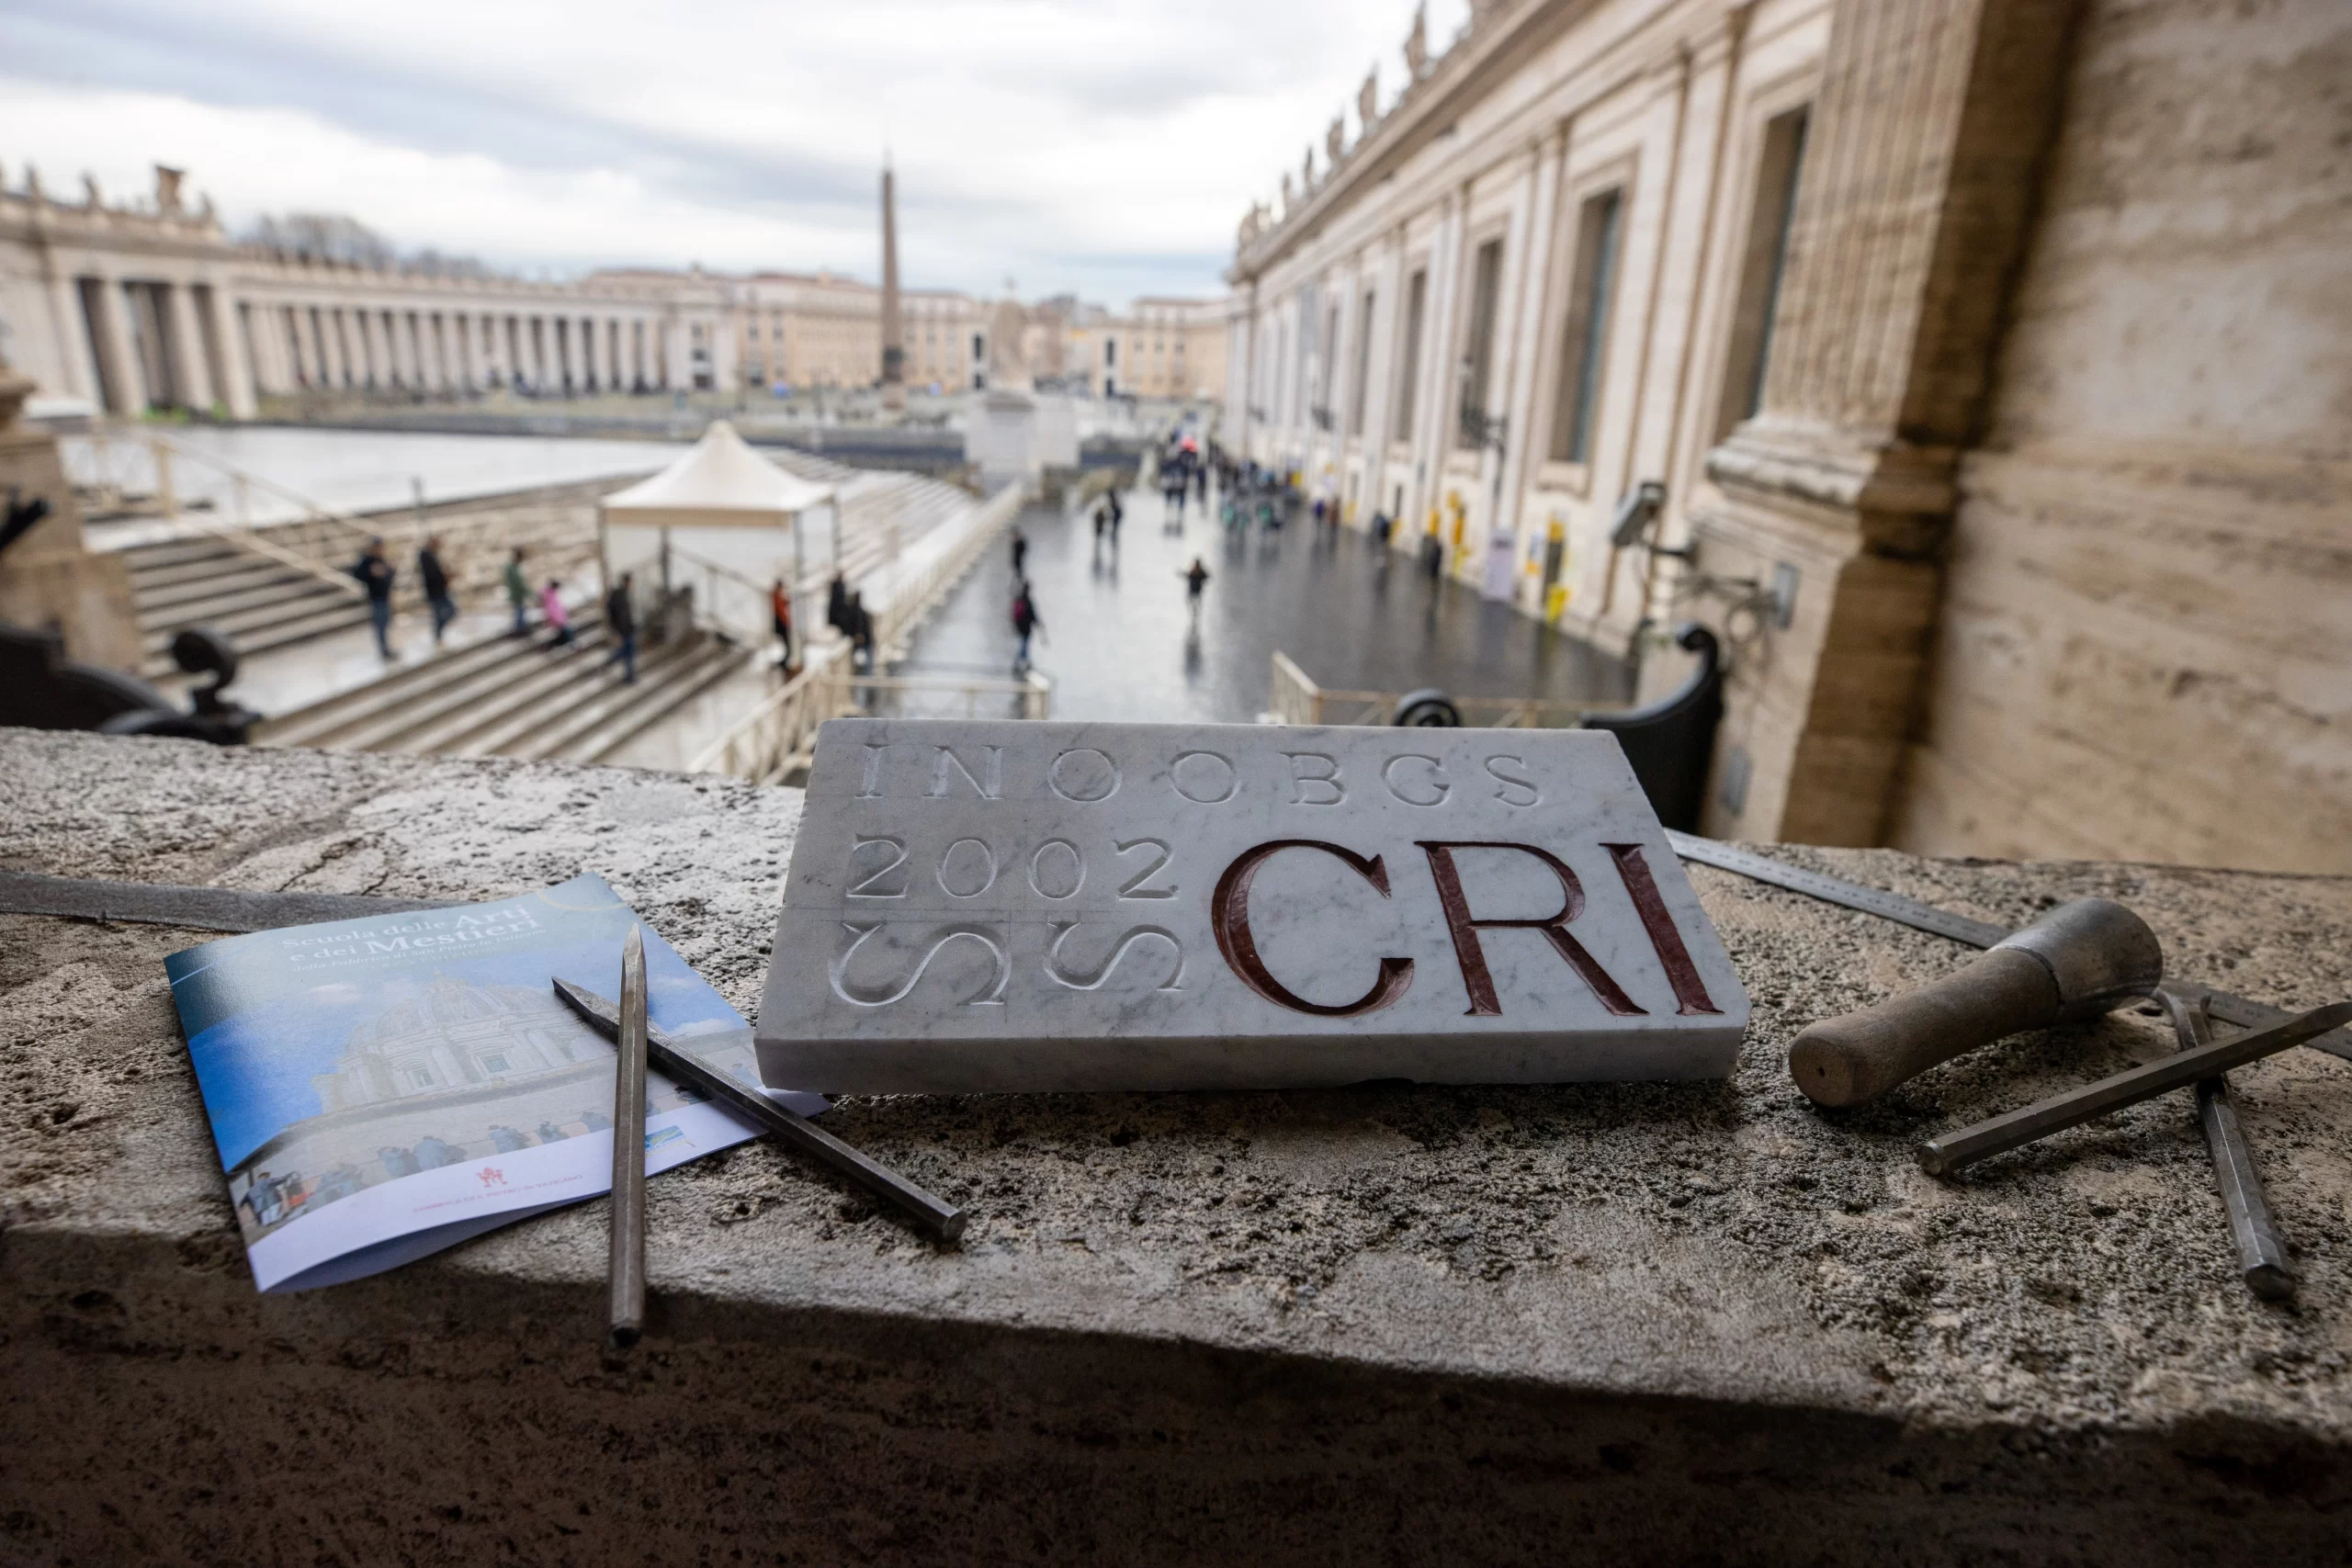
191 908
2081 960
2099 953
1429 709
625 1279
17 519
2230 1009
1670 742
1942 1156
40 688
2262 1255
935 1216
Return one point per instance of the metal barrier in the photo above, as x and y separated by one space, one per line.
778 737
1295 698
1670 742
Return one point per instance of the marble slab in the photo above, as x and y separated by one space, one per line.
978 906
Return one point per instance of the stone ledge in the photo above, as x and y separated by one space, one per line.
1377 1322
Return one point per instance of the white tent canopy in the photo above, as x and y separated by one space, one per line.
721 482
724 521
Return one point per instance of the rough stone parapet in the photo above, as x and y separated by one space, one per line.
1378 1324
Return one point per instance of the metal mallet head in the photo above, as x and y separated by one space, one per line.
2080 960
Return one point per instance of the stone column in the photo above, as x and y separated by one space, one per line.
126 381
375 370
236 364
1433 401
1911 215
1535 271
73 337
184 347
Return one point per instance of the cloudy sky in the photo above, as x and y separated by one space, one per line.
1106 146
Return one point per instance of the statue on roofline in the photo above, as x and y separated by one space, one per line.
1334 141
1416 45
1368 102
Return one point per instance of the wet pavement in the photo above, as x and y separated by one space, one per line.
1119 644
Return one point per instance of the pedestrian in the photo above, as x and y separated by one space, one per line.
1025 621
435 578
1020 553
377 575
518 591
1196 577
1119 515
837 604
1102 526
861 633
780 611
620 624
552 609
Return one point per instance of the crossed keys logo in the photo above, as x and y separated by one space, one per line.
492 1177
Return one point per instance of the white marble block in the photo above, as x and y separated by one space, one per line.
978 906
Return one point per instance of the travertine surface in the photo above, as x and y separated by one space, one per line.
1375 1324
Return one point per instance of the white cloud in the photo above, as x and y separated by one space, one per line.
1107 145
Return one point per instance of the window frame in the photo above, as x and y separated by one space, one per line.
1596 253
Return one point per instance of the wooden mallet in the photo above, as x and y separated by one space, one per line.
2079 961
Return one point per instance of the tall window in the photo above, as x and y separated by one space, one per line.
1363 367
1584 337
1416 299
1486 287
1766 258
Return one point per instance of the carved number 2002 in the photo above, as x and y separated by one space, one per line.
880 867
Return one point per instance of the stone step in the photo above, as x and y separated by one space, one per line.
520 691
333 721
213 600
248 623
525 729
184 554
317 622
158 591
608 722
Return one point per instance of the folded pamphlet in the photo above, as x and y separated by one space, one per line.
380 1088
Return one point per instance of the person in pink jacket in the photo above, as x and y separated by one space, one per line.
551 606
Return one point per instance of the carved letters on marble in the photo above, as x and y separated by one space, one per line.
1049 906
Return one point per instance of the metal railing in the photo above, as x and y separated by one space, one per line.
912 600
323 542
709 615
778 737
1297 699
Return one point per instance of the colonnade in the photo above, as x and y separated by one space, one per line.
326 343
156 344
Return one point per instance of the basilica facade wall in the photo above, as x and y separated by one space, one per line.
1977 368
1516 297
2145 644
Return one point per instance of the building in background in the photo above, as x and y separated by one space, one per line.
1977 368
1162 349
149 304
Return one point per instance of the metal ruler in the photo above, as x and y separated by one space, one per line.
197 908
2241 1010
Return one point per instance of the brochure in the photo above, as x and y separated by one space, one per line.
383 1087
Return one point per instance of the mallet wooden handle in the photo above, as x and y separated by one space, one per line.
2080 960
1858 1056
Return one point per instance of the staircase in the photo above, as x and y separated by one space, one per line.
512 697
204 582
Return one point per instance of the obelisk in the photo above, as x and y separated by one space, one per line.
894 340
